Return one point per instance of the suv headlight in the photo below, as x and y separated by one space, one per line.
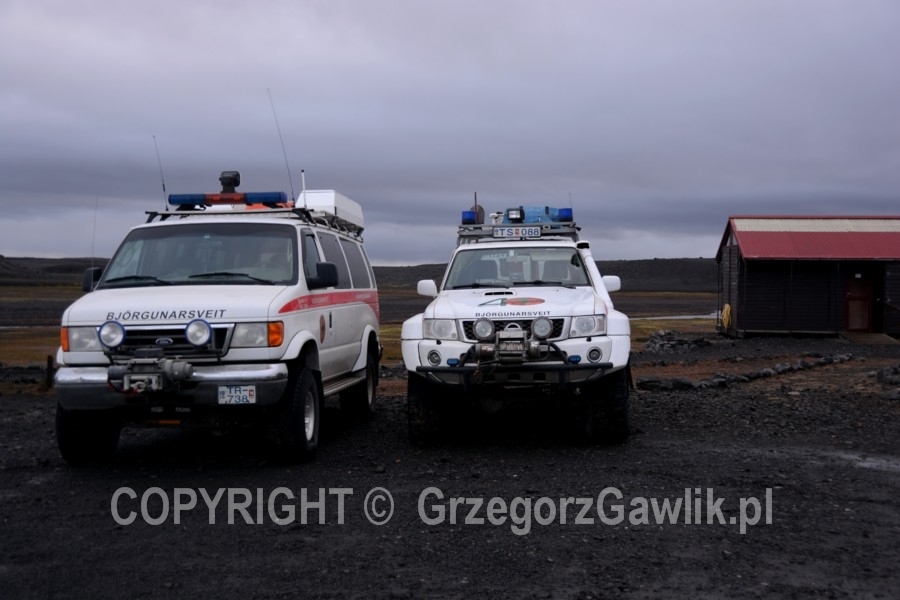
586 326
439 329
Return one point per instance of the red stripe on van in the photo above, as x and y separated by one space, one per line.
333 299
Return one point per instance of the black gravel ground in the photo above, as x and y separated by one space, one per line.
817 448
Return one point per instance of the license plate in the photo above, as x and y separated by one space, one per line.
517 232
237 394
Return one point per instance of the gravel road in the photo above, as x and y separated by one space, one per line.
814 453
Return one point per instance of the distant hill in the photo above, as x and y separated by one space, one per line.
651 275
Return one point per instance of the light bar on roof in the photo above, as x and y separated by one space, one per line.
537 214
268 198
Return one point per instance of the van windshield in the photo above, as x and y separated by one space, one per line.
205 254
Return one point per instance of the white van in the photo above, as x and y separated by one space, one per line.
224 310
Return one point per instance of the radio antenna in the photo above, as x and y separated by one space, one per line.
161 176
94 232
281 139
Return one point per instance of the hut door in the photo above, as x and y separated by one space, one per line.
859 302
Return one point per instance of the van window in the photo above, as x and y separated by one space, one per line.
310 255
358 269
333 253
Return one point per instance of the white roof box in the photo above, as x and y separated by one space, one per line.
332 204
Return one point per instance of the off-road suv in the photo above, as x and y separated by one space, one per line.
224 310
522 311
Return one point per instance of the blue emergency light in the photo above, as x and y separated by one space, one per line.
267 198
537 214
469 217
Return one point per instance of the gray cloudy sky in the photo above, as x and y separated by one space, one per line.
658 118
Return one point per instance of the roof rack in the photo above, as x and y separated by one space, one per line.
325 208
314 218
468 234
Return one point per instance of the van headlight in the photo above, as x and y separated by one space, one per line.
586 326
258 335
439 329
81 339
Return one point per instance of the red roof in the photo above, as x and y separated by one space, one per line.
830 237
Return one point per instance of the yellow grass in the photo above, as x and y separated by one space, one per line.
24 346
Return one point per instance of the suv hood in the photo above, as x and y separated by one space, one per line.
499 303
162 304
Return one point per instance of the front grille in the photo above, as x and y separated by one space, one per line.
524 324
137 338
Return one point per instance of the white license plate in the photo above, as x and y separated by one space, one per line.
517 232
237 394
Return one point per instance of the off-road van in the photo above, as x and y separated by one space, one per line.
225 309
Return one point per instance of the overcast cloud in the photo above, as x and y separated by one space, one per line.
654 119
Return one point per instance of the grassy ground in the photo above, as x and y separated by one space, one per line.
26 346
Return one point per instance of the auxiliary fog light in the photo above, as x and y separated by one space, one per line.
483 329
111 334
198 332
595 354
434 358
541 328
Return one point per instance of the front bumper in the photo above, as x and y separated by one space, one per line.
91 387
552 370
528 374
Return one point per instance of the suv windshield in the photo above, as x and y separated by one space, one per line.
204 254
505 267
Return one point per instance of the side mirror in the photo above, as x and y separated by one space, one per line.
327 276
427 287
612 283
90 278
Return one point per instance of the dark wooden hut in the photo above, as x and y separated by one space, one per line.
809 274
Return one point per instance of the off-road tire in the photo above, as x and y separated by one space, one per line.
604 414
359 400
295 435
86 436
614 401
422 411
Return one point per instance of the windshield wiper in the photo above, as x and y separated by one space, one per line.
229 274
541 282
479 285
151 278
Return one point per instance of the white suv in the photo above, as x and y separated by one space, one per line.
522 311
226 310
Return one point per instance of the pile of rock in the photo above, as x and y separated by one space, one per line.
890 376
671 342
725 379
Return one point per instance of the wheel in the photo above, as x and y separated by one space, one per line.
359 400
296 424
86 437
604 416
422 411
